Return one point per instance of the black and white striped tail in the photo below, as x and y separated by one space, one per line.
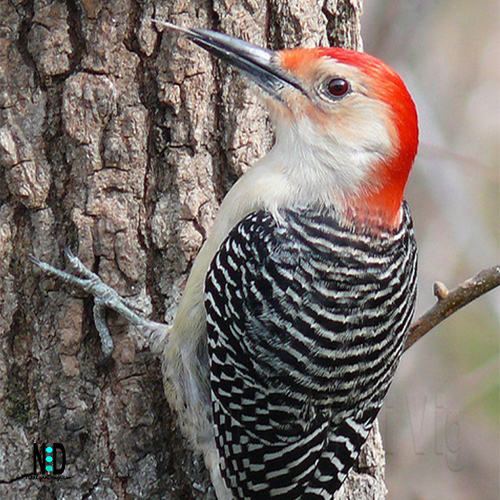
307 321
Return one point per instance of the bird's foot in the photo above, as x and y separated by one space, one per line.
105 297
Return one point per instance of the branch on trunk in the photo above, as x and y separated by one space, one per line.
450 301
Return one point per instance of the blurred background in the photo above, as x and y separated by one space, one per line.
441 422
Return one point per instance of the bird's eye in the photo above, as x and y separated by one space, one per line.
337 87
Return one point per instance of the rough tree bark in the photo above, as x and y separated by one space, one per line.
120 141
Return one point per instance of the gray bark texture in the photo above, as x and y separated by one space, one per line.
120 140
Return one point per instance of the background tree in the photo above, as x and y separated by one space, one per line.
120 141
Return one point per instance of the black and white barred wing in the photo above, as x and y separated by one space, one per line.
305 324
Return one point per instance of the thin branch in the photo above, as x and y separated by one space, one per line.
450 301
471 165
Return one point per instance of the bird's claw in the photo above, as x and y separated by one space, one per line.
101 324
104 296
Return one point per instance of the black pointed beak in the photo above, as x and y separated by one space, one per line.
260 65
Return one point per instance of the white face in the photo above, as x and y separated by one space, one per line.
331 142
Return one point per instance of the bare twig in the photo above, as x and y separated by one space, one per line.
450 301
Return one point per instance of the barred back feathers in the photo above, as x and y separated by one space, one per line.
307 321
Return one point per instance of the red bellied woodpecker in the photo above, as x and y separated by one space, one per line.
295 314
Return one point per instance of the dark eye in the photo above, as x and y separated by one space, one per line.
338 87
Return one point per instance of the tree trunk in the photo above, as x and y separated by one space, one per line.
120 141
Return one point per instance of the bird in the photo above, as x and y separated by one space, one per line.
295 313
